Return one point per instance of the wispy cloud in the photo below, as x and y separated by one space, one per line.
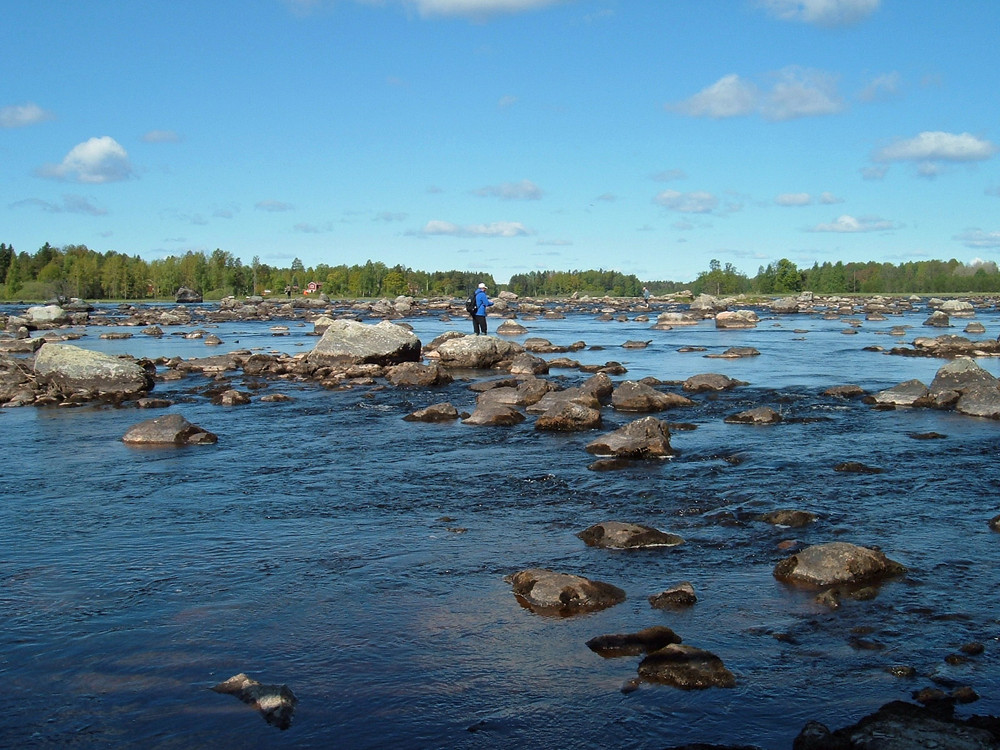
849 225
273 206
96 160
478 9
793 199
21 115
881 88
390 216
71 204
507 101
977 238
828 13
937 146
791 93
494 229
161 136
525 190
697 202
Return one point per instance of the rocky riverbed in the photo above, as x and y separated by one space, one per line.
671 464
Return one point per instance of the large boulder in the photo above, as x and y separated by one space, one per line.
640 397
736 319
981 400
644 438
686 667
959 308
622 535
904 394
170 429
569 416
71 369
347 342
785 306
186 295
476 352
836 563
46 315
547 592
961 374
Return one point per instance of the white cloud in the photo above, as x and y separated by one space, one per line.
977 238
793 199
796 92
71 204
931 146
730 96
273 206
828 199
849 224
801 92
477 9
881 88
829 13
507 101
390 216
20 115
304 228
697 202
96 160
525 190
161 136
494 229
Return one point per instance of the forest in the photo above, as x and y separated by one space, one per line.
78 271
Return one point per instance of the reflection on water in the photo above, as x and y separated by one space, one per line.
327 544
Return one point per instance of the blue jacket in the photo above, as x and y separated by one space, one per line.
482 302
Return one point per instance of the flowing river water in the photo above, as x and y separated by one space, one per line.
327 544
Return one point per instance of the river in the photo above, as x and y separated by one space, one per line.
327 544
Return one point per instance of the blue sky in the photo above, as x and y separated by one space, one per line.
506 136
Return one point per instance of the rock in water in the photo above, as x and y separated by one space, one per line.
275 702
72 369
644 438
347 342
546 592
171 429
618 535
633 644
836 563
686 667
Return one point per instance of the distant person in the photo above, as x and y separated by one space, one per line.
479 318
645 294
288 291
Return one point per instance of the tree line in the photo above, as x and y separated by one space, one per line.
871 277
78 271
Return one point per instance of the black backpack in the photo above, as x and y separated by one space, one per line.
470 304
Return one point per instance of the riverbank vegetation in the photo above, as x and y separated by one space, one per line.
78 271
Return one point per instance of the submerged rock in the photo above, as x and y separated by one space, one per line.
686 667
633 644
547 592
275 702
901 726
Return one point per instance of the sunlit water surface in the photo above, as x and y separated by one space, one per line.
329 545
